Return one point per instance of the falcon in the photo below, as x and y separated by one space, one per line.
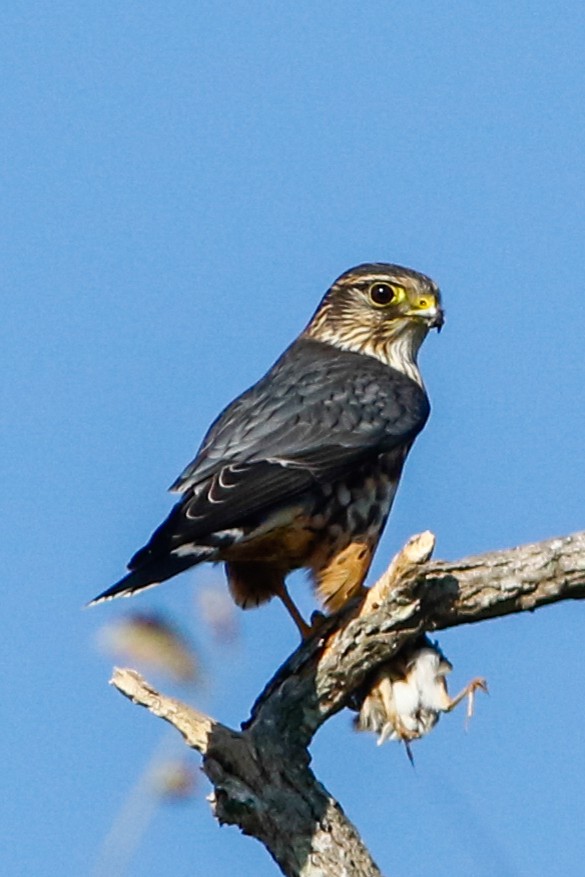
300 471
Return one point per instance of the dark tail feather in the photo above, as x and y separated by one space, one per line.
152 573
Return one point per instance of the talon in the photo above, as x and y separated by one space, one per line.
308 630
317 620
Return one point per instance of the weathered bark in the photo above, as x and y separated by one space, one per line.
261 775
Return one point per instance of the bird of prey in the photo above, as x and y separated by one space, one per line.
300 471
408 695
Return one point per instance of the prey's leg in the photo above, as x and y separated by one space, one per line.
469 693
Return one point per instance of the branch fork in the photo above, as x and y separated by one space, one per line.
261 775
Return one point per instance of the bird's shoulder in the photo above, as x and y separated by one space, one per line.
314 394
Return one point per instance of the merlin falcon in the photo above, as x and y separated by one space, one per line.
300 471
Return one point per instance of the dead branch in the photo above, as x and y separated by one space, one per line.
261 776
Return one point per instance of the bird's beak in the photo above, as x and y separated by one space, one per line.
428 308
435 317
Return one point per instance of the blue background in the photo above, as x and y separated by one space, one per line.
180 184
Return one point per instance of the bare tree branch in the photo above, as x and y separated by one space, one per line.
269 792
261 775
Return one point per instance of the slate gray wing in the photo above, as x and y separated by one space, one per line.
317 414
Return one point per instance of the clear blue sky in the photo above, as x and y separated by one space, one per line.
180 184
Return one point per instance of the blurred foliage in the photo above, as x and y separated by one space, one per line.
152 640
174 780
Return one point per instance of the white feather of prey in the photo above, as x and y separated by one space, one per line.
410 693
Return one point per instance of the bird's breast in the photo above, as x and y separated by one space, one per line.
359 503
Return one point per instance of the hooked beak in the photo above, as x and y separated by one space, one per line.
428 308
435 317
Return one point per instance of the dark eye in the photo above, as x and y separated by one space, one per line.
382 293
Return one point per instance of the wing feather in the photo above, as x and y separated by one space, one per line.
317 414
318 408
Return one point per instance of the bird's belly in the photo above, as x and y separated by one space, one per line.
284 539
333 531
355 515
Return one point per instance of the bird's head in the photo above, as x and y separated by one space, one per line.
379 309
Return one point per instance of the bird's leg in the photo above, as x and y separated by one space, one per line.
304 629
469 693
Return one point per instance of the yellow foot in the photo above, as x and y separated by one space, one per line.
304 629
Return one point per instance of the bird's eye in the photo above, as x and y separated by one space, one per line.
382 293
